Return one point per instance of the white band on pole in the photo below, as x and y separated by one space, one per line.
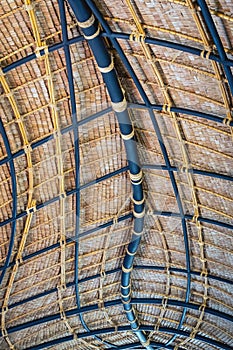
128 136
108 68
87 23
120 106
93 36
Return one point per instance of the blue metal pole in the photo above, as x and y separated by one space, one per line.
91 31
216 38
14 199
127 305
165 155
155 124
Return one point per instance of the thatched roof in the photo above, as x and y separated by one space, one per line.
116 174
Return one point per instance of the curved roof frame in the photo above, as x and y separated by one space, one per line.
112 303
216 38
115 302
157 268
105 331
10 157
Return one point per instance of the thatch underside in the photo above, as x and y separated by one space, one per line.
66 207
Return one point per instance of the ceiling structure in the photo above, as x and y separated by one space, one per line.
116 174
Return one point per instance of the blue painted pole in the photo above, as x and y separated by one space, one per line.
14 200
216 38
125 291
91 30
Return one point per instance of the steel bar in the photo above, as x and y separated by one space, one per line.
117 302
117 270
14 200
216 39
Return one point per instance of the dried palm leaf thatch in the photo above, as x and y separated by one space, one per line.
116 157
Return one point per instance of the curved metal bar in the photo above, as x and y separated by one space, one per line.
187 111
105 331
171 45
68 193
156 107
124 36
76 146
183 221
136 267
51 137
190 217
156 301
115 302
14 196
216 38
192 170
69 240
33 56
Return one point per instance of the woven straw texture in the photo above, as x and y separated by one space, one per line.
66 208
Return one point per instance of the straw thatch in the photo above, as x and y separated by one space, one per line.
50 227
